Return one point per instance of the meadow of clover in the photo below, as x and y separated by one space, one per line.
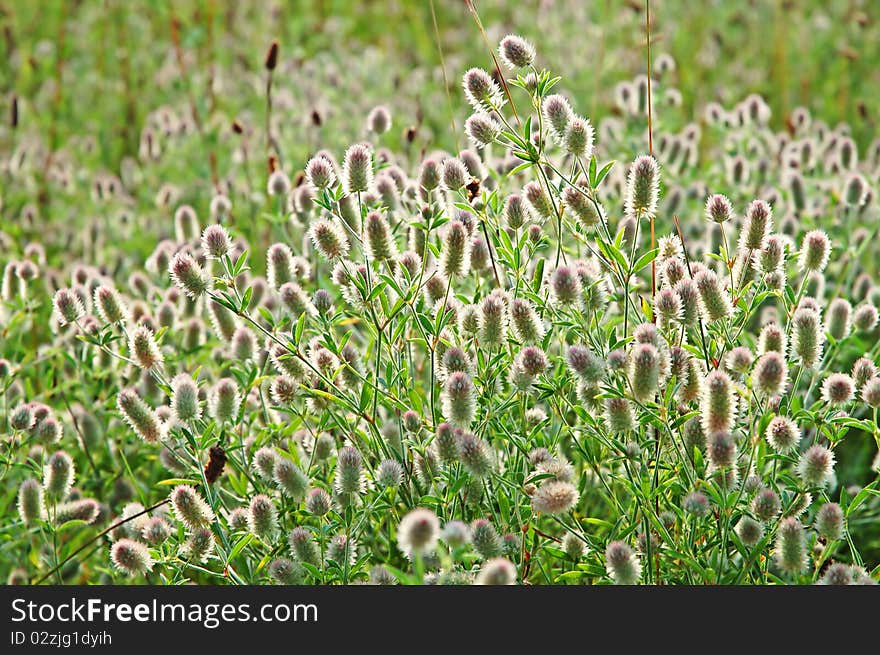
440 292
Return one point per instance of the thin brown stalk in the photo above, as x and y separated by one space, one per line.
104 532
650 138
473 9
445 79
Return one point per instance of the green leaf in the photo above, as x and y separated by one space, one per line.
73 523
239 546
603 173
645 259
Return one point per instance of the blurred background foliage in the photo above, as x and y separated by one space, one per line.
83 64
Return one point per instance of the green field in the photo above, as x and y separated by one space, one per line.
439 292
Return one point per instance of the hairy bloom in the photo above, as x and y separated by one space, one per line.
642 188
622 564
189 507
815 250
216 242
554 497
109 304
838 389
481 129
770 377
31 503
791 547
756 227
557 114
143 348
290 479
68 306
644 371
516 52
417 532
262 517
816 466
496 571
224 400
357 169
131 557
379 240
578 137
320 173
459 403
718 209
140 416
783 434
349 471
455 256
714 299
481 91
329 239
188 275
473 454
808 337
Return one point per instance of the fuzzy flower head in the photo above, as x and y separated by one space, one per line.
320 173
585 207
791 547
696 503
455 256
357 169
643 188
262 517
329 239
68 306
379 120
815 250
829 521
816 466
131 557
838 389
577 139
481 129
783 434
31 503
481 91
714 299
224 400
459 402
555 497
516 52
140 416
380 243
188 275
418 532
109 304
719 209
871 392
189 507
496 571
757 226
557 115
278 183
216 242
808 336
644 371
473 453
349 471
770 377
622 564
143 348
